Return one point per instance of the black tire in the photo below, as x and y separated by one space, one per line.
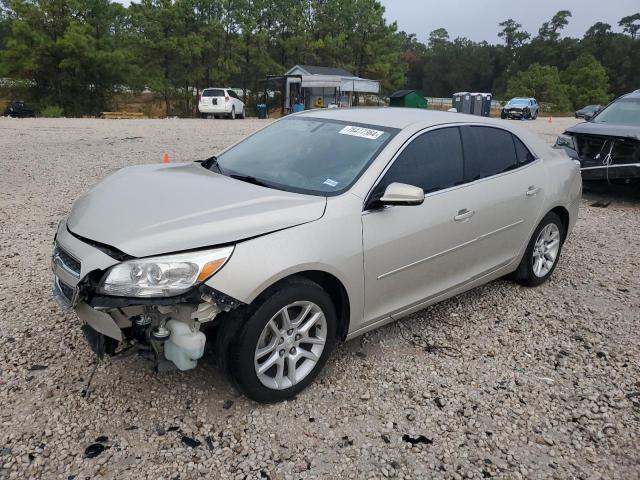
525 274
503 116
535 115
232 115
242 348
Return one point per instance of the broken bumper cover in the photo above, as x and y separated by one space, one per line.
598 171
162 325
622 171
513 113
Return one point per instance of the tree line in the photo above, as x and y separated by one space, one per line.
564 72
77 55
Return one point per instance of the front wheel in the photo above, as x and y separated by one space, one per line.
543 252
284 343
232 116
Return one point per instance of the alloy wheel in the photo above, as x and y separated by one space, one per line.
545 250
290 345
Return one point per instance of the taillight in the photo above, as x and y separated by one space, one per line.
226 99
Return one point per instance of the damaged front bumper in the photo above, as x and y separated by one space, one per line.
167 327
605 158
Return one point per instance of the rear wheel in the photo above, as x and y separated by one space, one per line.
284 343
543 252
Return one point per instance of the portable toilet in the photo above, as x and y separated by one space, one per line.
486 104
457 100
407 98
476 103
466 103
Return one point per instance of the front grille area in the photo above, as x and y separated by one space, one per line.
66 261
597 151
64 295
67 291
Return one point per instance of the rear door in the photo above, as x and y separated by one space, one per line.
212 97
412 253
507 184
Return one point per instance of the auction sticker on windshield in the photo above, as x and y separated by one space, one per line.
361 132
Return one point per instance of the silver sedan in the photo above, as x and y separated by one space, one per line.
314 230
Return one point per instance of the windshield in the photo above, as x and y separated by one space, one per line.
625 111
519 101
306 155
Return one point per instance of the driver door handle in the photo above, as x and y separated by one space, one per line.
533 191
464 215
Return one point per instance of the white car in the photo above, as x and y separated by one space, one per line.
220 102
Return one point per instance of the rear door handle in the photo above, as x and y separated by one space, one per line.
533 191
463 215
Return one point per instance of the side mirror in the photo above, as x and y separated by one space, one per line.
402 194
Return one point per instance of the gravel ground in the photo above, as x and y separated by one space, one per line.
502 381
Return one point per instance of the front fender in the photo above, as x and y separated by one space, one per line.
332 244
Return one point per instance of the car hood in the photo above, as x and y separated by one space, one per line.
156 209
606 130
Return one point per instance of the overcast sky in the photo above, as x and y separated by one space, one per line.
478 19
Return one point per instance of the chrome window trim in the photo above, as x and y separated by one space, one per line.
536 159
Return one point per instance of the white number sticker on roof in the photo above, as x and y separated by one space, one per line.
361 132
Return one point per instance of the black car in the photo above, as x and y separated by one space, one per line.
588 112
19 109
608 145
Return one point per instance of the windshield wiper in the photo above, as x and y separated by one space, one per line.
249 179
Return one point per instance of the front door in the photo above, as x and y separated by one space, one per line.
416 252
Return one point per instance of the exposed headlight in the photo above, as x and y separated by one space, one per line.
164 276
565 141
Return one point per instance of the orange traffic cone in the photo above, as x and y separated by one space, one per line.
549 119
165 158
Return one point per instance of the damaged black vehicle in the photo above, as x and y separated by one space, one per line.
608 145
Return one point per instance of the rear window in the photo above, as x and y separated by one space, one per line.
488 151
522 152
213 92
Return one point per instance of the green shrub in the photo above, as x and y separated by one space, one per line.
52 111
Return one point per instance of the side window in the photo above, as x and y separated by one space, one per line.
522 152
433 161
487 151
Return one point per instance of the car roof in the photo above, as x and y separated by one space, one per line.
634 94
396 117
